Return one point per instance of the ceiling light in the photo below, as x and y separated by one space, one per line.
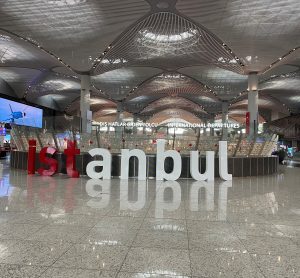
171 76
168 38
249 58
60 84
114 61
227 60
94 101
65 2
5 38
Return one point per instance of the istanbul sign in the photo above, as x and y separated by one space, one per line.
126 154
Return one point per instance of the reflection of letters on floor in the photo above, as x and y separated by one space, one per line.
222 203
171 205
99 190
133 195
133 205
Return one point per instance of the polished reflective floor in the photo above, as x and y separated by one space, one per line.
61 227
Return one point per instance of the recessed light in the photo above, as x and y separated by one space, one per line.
65 2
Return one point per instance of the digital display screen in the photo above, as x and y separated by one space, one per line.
2 131
20 114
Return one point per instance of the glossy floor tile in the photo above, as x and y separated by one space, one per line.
58 227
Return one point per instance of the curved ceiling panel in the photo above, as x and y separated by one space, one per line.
135 105
287 81
285 88
258 31
224 83
291 58
264 102
210 105
174 114
54 101
169 41
18 78
16 52
172 84
65 70
109 115
278 71
75 30
118 83
139 102
172 102
97 104
239 115
53 83
53 90
289 99
5 89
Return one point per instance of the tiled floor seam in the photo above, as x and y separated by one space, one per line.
43 272
71 245
131 245
250 254
188 239
262 236
43 226
46 268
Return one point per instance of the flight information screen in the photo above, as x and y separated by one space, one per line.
20 114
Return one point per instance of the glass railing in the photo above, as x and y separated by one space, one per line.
239 144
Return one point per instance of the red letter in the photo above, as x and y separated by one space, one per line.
70 161
48 161
31 157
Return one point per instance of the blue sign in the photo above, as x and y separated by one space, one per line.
21 114
2 131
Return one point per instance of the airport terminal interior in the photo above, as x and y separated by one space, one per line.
149 138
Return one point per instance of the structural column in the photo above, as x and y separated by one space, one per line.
212 130
85 113
144 119
204 130
120 116
253 103
134 129
224 120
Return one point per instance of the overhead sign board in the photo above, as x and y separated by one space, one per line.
179 125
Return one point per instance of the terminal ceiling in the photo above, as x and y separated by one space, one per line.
157 58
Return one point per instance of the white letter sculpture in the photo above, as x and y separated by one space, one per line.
160 162
126 154
105 163
223 168
209 174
